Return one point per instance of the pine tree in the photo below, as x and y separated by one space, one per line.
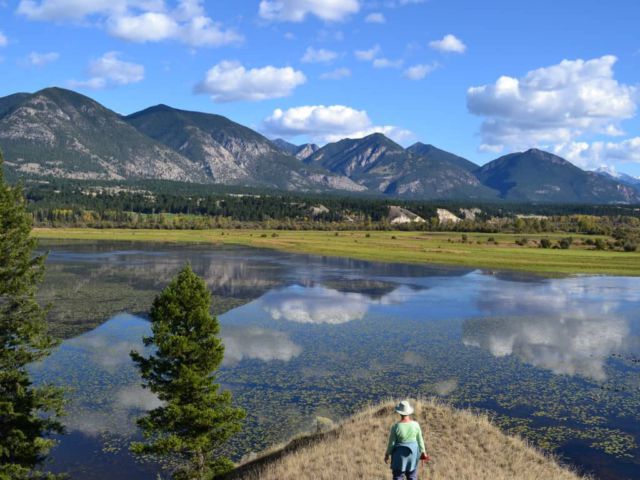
196 418
28 414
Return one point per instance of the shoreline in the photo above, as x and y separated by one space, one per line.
438 248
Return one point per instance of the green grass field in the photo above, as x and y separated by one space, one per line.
400 247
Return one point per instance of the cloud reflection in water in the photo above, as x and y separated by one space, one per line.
568 326
320 305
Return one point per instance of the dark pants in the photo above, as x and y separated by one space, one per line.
398 475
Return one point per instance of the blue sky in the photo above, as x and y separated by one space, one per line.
476 78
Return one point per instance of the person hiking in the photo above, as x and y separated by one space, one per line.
405 445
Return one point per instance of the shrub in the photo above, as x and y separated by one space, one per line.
630 246
565 243
545 243
600 244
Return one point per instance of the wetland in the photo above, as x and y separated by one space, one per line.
555 360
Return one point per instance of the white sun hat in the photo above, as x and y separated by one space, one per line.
404 408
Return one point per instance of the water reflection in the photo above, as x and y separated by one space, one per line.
569 346
257 343
105 388
319 304
308 334
569 326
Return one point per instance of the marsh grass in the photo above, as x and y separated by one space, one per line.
400 247
462 445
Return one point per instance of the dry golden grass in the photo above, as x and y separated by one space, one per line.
461 444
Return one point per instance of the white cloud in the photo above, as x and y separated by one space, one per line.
298 10
109 71
420 71
4 41
147 27
368 55
337 74
230 81
327 123
138 20
449 43
552 106
36 59
312 55
375 17
600 154
386 63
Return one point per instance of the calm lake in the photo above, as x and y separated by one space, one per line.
555 360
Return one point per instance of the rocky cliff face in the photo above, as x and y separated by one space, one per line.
384 166
230 153
60 133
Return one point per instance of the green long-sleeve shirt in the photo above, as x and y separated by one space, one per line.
405 432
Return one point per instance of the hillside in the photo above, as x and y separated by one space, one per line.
462 446
230 153
436 154
536 175
64 134
384 166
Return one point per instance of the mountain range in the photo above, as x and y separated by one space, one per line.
60 133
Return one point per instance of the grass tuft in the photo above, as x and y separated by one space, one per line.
462 445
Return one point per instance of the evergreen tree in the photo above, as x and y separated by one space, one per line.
28 414
196 418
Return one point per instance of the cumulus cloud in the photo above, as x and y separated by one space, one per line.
298 10
4 41
327 123
138 20
109 71
337 74
230 81
368 55
257 343
448 44
553 105
600 154
321 55
420 71
375 17
36 59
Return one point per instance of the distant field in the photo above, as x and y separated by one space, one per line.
401 247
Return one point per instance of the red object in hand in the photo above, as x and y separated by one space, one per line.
425 457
